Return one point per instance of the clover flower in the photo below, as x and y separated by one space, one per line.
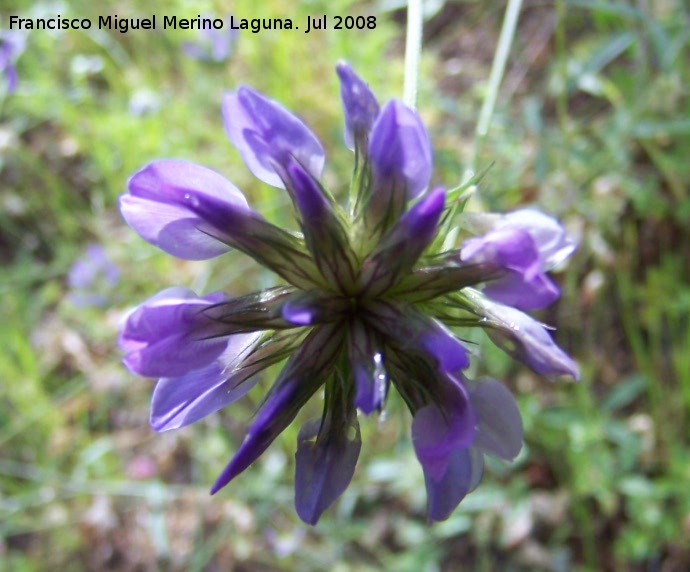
525 243
211 44
92 277
12 44
368 301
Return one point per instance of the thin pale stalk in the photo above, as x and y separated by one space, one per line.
562 99
498 67
413 49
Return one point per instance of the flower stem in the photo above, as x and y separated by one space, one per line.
413 49
497 71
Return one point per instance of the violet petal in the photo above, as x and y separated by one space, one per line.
267 136
192 212
412 330
511 248
324 465
12 44
306 307
89 266
439 429
359 103
298 314
400 248
537 292
523 338
499 431
463 472
179 401
524 283
553 244
368 369
162 206
324 233
169 335
449 352
400 153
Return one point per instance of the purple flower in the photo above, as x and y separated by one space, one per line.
368 304
12 44
522 337
452 435
92 277
526 244
548 234
211 44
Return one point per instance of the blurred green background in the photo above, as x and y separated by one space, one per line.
592 125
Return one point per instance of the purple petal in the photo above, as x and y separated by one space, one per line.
439 429
359 103
511 248
12 44
532 345
311 200
324 233
170 228
499 431
169 334
371 384
305 371
268 136
275 415
183 400
400 153
163 206
400 249
91 265
523 338
553 244
449 352
412 330
11 77
524 285
92 277
214 45
192 212
324 465
463 473
306 307
422 219
514 289
368 371
298 314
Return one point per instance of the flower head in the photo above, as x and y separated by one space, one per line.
367 304
212 44
92 277
525 243
11 45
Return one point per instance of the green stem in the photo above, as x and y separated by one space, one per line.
562 98
498 68
413 49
